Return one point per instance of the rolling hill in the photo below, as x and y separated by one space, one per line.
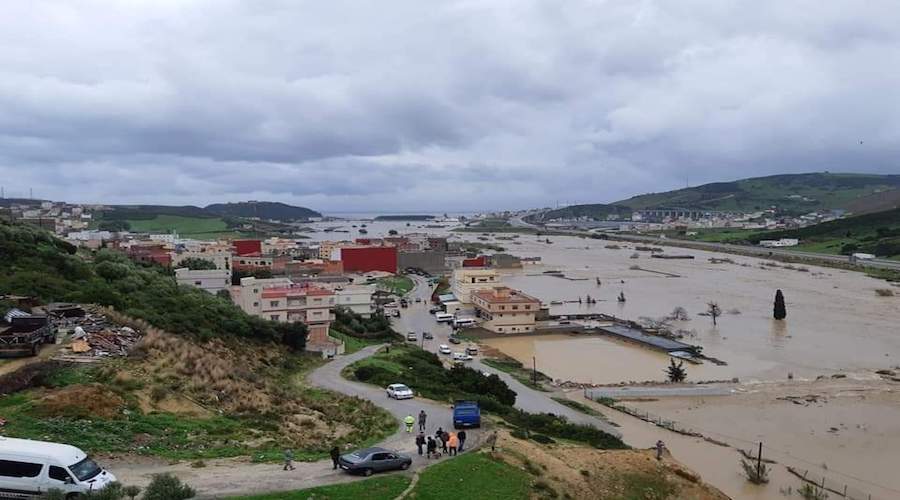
792 194
268 210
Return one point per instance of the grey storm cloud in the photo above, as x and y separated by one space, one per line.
437 105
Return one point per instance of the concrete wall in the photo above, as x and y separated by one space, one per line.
434 262
211 280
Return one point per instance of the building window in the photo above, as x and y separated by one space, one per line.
273 303
274 317
527 308
256 290
515 308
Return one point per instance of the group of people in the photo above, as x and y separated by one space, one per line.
450 443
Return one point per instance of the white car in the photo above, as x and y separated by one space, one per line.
444 349
399 391
461 356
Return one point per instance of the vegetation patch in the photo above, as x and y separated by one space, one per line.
398 285
472 475
378 488
514 367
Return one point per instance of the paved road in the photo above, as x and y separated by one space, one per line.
417 318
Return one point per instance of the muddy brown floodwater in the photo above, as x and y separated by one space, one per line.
836 324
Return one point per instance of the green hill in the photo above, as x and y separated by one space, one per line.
268 210
792 194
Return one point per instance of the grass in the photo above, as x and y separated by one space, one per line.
641 486
519 372
184 226
353 344
472 475
378 488
398 285
583 408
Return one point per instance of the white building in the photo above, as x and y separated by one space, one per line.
467 280
211 280
357 298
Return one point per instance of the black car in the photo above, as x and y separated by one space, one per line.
427 336
370 460
454 340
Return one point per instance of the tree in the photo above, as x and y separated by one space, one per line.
224 295
197 264
714 311
167 487
849 248
676 373
116 226
780 311
679 314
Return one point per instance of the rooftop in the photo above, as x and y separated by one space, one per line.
300 290
504 295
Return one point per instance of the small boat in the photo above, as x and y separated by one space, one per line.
556 303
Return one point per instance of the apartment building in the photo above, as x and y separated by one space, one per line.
465 281
210 280
357 298
279 299
505 310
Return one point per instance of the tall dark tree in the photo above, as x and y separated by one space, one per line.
780 311
676 373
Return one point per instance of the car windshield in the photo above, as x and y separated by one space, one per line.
85 469
399 388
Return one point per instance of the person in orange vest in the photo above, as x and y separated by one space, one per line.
453 443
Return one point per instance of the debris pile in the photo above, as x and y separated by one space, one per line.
96 336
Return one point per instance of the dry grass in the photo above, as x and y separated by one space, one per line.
81 401
884 292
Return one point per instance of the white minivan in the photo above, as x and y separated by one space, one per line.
464 322
30 468
443 317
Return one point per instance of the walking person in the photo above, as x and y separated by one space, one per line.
432 448
660 446
288 459
437 435
444 438
335 456
422 418
409 421
420 442
453 444
461 435
492 440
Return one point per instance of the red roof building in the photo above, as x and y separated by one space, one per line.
366 259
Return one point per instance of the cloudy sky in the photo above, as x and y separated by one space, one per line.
429 105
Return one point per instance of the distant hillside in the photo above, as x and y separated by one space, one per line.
269 210
877 233
792 194
147 212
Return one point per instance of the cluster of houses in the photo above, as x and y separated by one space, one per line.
57 217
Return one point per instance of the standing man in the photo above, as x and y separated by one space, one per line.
335 455
492 440
461 435
444 438
422 418
452 444
409 421
660 446
288 459
420 441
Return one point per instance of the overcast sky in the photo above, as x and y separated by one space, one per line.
429 105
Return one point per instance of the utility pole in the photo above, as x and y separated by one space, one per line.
759 462
534 369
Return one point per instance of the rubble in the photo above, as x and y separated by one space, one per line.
96 336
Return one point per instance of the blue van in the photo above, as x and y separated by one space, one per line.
466 414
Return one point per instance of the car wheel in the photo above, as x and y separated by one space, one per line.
367 472
404 466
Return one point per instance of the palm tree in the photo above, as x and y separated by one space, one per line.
676 373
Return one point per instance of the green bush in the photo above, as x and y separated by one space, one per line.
167 487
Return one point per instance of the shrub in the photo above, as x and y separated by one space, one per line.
754 474
884 292
540 438
167 487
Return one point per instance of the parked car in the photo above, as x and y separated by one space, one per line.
418 299
464 322
443 317
435 310
399 391
404 303
412 337
395 313
370 460
454 340
427 336
444 349
466 414
461 356
29 467
472 350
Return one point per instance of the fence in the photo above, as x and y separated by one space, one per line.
835 488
